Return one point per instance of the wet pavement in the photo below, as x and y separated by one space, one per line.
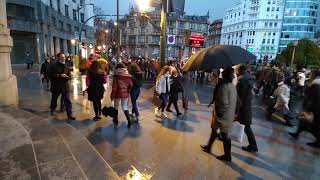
169 149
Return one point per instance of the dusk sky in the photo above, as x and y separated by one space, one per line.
217 8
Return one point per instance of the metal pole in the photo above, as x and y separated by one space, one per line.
118 33
79 30
292 58
163 33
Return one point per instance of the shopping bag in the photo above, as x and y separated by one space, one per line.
156 100
237 132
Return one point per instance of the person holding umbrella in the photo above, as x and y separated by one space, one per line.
225 109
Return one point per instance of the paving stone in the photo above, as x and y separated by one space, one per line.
61 169
50 150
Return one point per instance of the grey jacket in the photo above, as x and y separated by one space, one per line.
225 106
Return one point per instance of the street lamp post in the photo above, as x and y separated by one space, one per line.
118 33
163 32
295 44
80 28
73 41
144 5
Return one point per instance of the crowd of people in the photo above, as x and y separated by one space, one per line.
283 90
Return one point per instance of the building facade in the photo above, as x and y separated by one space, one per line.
139 38
46 27
214 36
255 25
299 21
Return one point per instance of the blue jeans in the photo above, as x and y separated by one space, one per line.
164 99
135 92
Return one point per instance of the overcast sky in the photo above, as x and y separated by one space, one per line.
217 8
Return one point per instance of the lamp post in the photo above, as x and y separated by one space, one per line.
143 6
118 33
73 41
79 28
295 44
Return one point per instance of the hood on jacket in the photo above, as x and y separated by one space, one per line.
122 72
247 77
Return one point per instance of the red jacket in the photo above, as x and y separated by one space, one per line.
121 85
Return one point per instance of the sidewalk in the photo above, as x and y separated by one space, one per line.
169 149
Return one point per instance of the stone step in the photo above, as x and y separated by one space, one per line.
33 147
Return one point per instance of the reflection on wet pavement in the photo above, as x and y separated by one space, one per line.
169 148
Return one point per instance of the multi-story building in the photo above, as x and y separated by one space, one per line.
254 25
299 21
214 36
140 38
46 27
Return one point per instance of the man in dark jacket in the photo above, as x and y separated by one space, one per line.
244 109
60 76
44 72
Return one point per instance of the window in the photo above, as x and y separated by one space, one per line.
58 6
53 19
252 41
268 8
277 16
263 41
268 42
278 9
82 17
270 24
274 34
66 10
273 41
61 24
269 2
69 27
275 24
51 3
265 24
74 13
253 32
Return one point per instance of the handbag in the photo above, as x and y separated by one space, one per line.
156 100
237 132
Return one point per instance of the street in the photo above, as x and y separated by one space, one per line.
170 149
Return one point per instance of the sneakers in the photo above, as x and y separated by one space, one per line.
224 158
169 110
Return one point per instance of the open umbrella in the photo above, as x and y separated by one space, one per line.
218 56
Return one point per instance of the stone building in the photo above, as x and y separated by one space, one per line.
139 38
46 27
214 36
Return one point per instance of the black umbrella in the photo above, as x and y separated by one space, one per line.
218 56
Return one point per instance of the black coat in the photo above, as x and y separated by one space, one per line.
313 104
137 79
176 86
45 69
244 89
59 83
95 89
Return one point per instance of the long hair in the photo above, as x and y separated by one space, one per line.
162 72
94 67
133 68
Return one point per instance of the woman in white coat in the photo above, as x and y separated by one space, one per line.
163 88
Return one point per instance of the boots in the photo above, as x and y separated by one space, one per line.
128 118
227 150
115 118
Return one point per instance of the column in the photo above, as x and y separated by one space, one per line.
65 46
8 82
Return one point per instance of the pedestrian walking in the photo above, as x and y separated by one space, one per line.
225 101
44 72
60 76
244 110
121 87
175 88
311 104
136 74
29 60
95 81
163 88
